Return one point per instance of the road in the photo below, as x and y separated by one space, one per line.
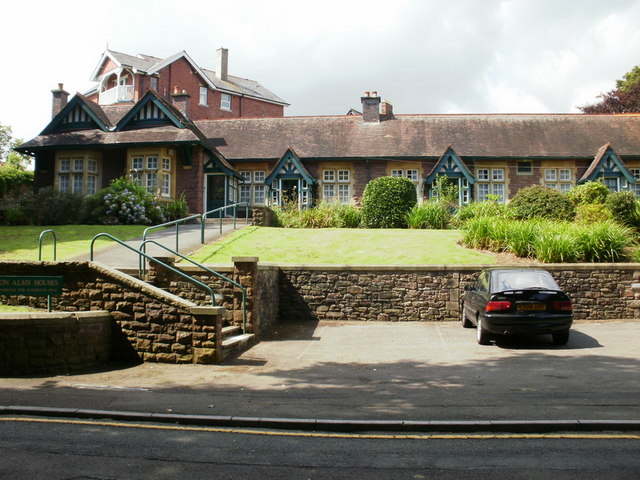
61 449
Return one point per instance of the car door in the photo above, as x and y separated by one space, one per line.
476 298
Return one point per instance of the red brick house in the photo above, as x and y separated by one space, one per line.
175 135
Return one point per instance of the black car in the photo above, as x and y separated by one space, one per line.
517 301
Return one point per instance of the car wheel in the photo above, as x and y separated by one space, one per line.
560 338
484 337
466 323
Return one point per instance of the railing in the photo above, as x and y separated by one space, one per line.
150 258
221 211
40 243
142 269
121 93
202 217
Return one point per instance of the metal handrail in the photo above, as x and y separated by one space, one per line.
150 258
214 273
40 243
220 210
166 224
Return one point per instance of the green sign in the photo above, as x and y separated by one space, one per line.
30 285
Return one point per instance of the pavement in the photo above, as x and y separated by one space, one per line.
188 240
355 376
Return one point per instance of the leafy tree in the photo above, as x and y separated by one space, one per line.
625 98
7 155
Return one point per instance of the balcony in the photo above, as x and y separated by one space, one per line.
121 93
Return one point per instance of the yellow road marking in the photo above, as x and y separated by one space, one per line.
391 436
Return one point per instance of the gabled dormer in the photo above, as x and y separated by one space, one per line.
78 114
608 168
450 165
151 111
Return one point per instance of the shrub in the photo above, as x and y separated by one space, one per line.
324 215
176 209
556 244
624 208
349 216
12 179
433 215
479 209
601 242
129 203
387 201
592 212
51 207
588 193
541 202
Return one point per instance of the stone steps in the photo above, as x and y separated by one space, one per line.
233 341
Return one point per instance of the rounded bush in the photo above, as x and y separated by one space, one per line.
541 202
387 201
624 208
593 212
588 193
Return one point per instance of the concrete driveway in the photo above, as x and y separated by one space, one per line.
381 371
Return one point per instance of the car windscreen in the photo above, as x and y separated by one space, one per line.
522 279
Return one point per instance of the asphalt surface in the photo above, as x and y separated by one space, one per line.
188 240
370 376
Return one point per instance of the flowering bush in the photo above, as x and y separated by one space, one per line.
128 203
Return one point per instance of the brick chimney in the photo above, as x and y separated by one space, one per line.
222 64
370 107
60 98
386 110
180 100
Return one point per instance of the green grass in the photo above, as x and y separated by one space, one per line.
343 246
19 308
21 242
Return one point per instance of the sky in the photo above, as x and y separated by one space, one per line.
423 56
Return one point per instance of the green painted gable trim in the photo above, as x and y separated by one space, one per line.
214 165
76 115
289 166
450 166
149 111
609 165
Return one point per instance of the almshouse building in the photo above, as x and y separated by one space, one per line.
178 129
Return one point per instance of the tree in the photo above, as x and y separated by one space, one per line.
625 98
8 156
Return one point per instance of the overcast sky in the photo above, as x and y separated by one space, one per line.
424 56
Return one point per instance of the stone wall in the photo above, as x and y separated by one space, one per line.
433 292
150 324
54 343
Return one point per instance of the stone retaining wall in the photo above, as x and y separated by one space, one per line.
54 343
150 324
433 292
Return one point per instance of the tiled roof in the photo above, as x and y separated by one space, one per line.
501 136
243 86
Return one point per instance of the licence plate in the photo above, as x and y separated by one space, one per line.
532 306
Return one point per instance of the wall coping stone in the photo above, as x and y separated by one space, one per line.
52 318
207 310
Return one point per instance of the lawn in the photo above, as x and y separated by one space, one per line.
343 246
21 242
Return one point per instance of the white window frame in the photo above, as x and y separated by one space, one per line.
65 165
413 174
225 101
166 164
344 193
482 174
328 175
78 164
344 176
246 176
550 175
151 182
245 193
92 184
564 175
137 163
165 187
152 162
203 96
259 176
259 194
396 172
64 182
328 192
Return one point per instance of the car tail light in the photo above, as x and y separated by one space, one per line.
498 306
563 306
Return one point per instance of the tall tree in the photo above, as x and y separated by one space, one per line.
625 98
7 155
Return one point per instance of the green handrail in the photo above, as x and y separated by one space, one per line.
166 224
214 273
40 243
150 258
220 211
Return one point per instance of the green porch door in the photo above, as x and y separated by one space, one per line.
216 191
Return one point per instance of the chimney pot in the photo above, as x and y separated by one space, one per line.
374 94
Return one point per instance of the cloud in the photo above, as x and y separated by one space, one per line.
429 56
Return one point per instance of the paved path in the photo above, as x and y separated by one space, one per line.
368 374
117 256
